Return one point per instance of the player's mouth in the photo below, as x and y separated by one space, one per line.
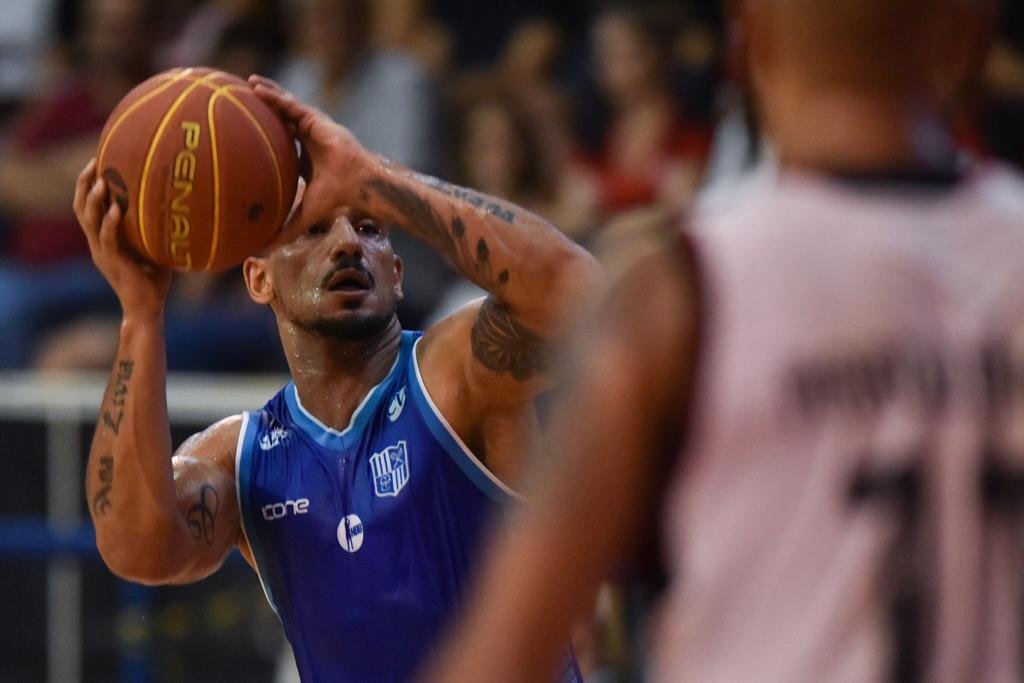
349 280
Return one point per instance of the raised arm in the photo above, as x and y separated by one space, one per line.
532 272
156 522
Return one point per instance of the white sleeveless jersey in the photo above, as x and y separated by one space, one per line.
850 502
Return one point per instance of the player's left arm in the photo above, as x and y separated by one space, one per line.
533 273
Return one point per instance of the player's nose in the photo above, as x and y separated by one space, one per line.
345 238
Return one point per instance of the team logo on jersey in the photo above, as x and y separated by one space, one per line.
350 533
273 438
390 470
397 404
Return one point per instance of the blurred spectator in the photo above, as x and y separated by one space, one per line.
247 46
499 154
384 96
210 323
45 273
387 99
25 35
404 25
525 72
207 28
650 150
1001 115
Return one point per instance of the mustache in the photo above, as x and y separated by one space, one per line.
348 263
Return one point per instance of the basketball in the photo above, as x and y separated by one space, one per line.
203 170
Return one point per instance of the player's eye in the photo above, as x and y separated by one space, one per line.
368 226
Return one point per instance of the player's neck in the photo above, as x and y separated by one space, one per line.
333 376
844 131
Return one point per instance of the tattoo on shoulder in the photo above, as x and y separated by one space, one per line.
113 415
505 346
421 219
202 516
101 499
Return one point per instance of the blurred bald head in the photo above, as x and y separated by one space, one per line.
862 84
905 45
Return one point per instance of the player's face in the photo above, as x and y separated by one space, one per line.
340 278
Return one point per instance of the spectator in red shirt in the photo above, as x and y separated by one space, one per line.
651 151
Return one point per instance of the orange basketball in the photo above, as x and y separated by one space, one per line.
203 170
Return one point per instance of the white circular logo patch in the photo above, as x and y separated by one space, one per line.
350 533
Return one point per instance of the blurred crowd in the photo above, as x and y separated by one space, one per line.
591 114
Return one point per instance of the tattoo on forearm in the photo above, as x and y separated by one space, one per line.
202 515
503 345
420 219
472 198
115 413
101 499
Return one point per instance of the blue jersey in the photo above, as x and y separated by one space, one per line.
363 539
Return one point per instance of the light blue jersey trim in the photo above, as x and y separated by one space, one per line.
243 482
332 438
442 431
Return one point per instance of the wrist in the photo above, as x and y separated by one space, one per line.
137 318
365 169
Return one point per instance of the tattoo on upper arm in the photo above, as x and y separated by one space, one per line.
202 516
503 345
115 413
421 219
101 499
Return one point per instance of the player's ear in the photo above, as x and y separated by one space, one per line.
258 280
399 272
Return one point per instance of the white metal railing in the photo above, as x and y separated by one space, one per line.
64 403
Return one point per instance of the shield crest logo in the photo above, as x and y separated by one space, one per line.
390 470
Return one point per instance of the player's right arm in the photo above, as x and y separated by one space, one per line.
157 520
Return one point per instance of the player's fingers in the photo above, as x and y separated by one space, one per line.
108 227
82 186
278 98
258 79
91 216
300 117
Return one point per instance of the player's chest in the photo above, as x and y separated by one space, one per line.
376 475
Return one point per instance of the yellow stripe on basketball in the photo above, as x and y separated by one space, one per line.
216 176
283 210
149 159
135 105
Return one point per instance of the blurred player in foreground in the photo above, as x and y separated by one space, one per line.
844 352
360 492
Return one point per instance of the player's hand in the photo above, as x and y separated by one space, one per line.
141 287
331 157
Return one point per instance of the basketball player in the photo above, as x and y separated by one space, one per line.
359 493
848 502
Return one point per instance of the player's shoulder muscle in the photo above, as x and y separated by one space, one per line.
214 446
